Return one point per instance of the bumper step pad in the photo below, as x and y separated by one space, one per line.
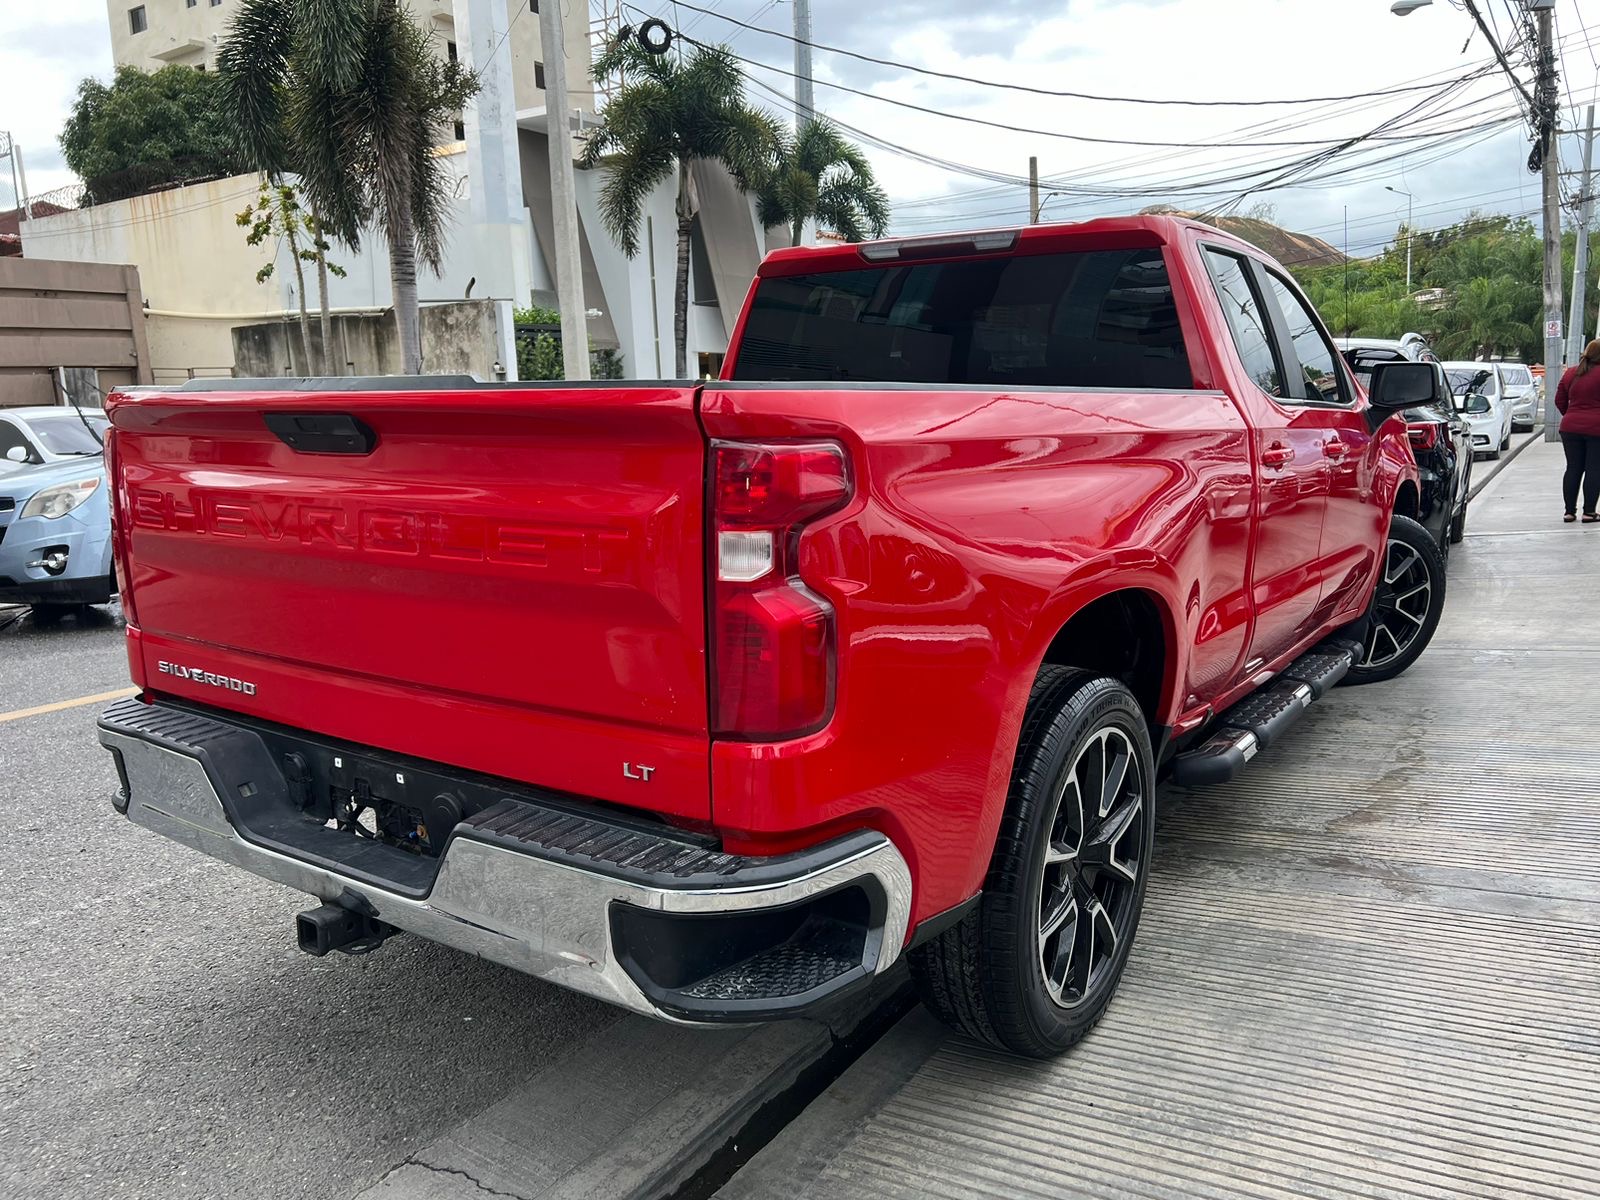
1261 718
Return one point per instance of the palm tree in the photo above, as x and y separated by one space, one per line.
668 113
349 95
822 175
1482 319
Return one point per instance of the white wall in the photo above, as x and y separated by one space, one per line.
199 275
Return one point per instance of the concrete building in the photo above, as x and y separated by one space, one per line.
152 34
199 276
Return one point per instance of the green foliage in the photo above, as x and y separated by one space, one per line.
146 129
821 175
1476 290
664 116
277 213
539 352
349 95
668 112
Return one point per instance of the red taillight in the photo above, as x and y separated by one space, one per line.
119 532
1423 437
773 648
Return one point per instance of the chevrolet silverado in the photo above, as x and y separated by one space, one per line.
716 699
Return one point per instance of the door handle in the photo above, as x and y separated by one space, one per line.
1276 455
1335 449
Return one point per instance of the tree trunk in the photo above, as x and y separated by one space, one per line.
680 299
798 229
326 321
312 368
403 282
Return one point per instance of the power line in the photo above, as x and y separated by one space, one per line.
1065 136
1037 91
1488 67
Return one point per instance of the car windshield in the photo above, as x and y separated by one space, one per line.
1461 381
66 434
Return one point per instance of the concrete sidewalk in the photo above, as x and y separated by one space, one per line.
1369 967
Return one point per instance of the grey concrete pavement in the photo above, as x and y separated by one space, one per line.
162 1035
1368 967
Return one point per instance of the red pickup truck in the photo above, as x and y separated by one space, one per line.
716 699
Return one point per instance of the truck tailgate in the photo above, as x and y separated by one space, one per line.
511 580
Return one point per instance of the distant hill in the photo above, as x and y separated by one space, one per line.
1289 248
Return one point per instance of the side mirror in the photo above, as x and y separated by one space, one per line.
1398 385
17 454
1477 404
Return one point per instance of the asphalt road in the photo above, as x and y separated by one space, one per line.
161 1035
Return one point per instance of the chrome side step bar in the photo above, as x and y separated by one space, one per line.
1261 718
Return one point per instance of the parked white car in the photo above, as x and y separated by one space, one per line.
1473 384
1521 391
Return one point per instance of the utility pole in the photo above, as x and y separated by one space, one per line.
804 104
1033 190
1580 263
1410 230
1546 120
564 197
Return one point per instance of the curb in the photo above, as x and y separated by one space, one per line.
1505 461
643 1110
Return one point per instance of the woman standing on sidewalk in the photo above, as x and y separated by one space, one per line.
1578 401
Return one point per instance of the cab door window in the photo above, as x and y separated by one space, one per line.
1252 336
1315 373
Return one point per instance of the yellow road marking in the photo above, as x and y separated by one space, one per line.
100 698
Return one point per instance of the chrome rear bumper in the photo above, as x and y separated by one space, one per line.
508 898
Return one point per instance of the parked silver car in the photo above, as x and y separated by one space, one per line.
1490 421
1522 393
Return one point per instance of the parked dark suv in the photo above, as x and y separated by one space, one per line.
1441 442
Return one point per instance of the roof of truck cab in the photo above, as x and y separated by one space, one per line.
1151 229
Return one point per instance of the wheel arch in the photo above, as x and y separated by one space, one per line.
1128 632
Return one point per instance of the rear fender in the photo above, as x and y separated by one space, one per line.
1123 571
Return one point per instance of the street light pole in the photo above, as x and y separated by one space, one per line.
1410 231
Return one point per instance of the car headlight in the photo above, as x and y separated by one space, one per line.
58 501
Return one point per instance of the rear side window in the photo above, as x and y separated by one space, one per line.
1103 318
1517 376
1246 322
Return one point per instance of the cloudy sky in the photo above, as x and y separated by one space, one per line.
1451 139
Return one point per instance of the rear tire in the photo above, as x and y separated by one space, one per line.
1032 968
1406 604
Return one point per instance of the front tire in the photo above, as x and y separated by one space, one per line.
1033 967
1406 604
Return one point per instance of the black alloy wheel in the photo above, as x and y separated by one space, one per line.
1406 604
1092 867
1033 966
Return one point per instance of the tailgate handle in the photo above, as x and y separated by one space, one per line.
322 433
